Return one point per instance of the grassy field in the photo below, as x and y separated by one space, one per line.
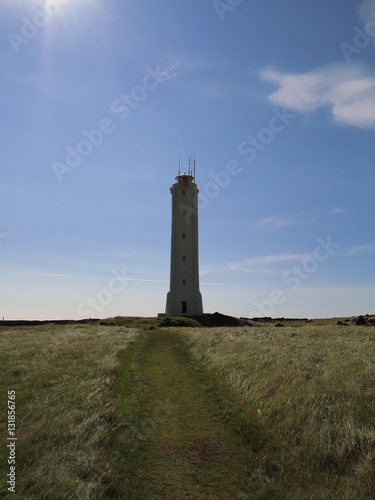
126 409
63 378
313 387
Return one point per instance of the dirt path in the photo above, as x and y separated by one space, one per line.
177 442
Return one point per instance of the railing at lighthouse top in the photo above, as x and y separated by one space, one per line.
185 178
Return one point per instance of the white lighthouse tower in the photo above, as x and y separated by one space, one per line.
184 297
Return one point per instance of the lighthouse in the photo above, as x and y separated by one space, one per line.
184 297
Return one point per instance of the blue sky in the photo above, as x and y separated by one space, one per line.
99 99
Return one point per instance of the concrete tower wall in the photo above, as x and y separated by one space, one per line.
184 296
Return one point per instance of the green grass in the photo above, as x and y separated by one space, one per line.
314 387
63 378
183 436
124 409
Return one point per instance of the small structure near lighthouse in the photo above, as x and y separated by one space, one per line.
184 297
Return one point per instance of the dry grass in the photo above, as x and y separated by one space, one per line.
313 387
62 376
309 386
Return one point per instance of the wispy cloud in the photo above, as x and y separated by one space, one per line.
172 71
255 264
44 274
275 222
338 211
347 90
141 280
232 285
365 10
358 250
112 255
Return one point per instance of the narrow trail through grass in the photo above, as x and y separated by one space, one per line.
179 439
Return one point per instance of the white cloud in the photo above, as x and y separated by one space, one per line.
44 274
365 10
338 211
254 264
275 222
232 285
171 72
367 249
262 264
348 91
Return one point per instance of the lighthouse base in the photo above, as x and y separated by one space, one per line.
180 306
